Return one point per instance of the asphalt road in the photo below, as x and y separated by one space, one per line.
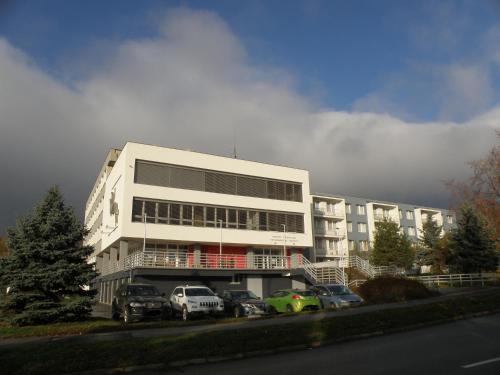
465 347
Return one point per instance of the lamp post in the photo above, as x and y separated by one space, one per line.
284 239
220 241
144 243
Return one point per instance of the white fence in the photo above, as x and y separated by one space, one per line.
472 279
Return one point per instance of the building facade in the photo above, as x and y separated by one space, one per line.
173 217
359 215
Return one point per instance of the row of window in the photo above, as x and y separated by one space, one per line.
174 213
216 182
360 210
361 245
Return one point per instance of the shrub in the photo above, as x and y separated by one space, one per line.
392 289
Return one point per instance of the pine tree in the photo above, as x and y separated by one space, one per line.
471 247
47 271
391 248
428 247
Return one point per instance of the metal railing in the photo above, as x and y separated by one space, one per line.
329 232
334 213
467 279
356 282
382 217
165 259
365 267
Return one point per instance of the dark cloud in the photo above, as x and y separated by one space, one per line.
193 87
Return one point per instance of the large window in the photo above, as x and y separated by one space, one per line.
149 173
173 213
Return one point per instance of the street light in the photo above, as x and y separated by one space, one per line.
220 241
144 243
284 239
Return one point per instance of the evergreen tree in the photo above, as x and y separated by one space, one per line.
390 247
471 247
428 251
46 270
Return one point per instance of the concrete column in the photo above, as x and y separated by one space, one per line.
113 257
250 258
197 255
294 258
98 264
254 283
123 253
105 262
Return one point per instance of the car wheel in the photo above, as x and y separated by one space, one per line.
289 308
321 305
166 314
185 313
115 315
127 318
236 312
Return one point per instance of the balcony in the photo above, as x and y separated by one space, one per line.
324 252
329 213
382 217
329 232
168 260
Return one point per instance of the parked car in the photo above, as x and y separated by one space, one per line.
139 301
243 303
292 300
334 296
195 300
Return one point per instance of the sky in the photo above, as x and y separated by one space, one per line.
379 99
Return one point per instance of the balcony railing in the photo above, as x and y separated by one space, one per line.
163 259
382 217
329 232
331 213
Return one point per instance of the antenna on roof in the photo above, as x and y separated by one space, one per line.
235 154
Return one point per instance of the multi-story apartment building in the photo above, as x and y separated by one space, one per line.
170 216
362 214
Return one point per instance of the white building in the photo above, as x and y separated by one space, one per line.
180 216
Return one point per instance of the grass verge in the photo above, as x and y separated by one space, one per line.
68 357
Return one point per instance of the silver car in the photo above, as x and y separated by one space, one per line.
335 296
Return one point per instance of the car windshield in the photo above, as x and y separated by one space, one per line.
143 290
304 293
243 295
199 292
339 290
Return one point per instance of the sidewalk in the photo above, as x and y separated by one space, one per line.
244 323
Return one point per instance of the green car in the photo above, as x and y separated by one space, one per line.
292 300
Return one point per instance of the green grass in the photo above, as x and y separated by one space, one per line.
95 325
59 357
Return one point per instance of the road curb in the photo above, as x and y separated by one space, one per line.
284 349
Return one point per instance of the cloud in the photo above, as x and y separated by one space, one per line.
194 87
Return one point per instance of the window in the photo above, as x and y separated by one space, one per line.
210 217
318 243
175 214
449 219
362 227
411 231
232 221
349 226
187 214
409 215
350 245
363 245
157 174
162 212
198 216
360 209
348 208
